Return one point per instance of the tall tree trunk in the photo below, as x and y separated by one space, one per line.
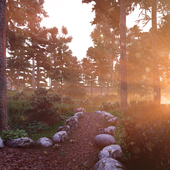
38 75
61 89
49 83
123 67
91 87
3 90
24 80
17 80
156 79
107 83
55 86
33 74
101 86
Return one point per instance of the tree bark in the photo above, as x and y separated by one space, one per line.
17 80
123 67
156 79
101 86
107 83
33 74
3 90
38 74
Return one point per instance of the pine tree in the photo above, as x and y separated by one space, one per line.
3 92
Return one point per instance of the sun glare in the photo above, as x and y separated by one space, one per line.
76 17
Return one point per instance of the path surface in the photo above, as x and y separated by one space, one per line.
80 155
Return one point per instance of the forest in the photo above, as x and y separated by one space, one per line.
125 65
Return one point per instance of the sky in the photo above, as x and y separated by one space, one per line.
76 17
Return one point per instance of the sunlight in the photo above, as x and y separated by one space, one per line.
76 17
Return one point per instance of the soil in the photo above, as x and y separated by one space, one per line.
82 154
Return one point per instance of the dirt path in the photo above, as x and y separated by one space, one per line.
82 154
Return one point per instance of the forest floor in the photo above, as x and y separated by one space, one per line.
82 154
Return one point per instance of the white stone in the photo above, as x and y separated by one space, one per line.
61 136
72 122
114 121
99 112
78 110
103 140
110 130
44 142
111 151
109 164
1 143
65 128
79 115
20 143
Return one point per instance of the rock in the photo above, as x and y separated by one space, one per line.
109 130
61 136
78 110
103 140
64 128
72 122
1 143
79 115
111 151
106 115
114 121
98 112
44 142
109 164
20 143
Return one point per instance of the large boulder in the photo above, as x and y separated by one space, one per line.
109 164
44 142
1 143
78 110
111 151
103 140
64 128
61 136
72 122
20 143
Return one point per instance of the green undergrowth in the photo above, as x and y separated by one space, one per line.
49 132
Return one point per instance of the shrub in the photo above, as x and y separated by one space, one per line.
12 134
21 96
147 135
56 98
43 108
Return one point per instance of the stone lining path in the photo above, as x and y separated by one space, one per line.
78 152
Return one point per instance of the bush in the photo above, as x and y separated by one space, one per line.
21 96
56 98
147 136
12 134
43 108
